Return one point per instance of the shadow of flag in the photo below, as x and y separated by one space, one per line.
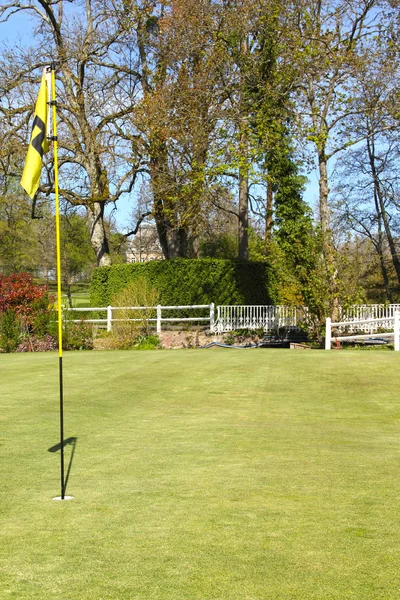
71 441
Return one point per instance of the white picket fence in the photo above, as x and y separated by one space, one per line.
266 317
158 319
228 318
392 323
369 317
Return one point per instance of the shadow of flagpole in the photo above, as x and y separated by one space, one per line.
71 441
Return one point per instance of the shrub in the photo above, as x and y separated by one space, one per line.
190 281
128 333
75 336
20 294
10 331
78 336
24 309
149 342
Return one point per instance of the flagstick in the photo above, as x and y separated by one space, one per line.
58 255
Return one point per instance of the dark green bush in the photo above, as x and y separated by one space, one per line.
190 281
42 319
10 331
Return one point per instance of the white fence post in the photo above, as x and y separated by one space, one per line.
328 333
396 331
212 316
159 318
109 318
218 318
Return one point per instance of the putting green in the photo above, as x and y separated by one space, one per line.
202 474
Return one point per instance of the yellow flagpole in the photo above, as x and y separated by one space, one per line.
58 240
58 261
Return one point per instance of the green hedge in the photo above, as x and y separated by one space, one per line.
190 281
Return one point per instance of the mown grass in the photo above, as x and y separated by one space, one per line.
80 293
202 474
79 299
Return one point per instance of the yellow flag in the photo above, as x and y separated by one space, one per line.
38 144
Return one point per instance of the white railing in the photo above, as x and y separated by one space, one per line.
373 316
270 317
384 322
157 310
267 317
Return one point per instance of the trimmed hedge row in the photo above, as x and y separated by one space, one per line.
190 281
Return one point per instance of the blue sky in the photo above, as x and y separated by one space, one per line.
20 27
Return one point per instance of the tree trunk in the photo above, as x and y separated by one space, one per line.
98 236
170 237
173 239
268 216
379 197
183 241
327 242
195 245
379 246
160 224
243 217
67 286
385 277
174 243
243 223
392 246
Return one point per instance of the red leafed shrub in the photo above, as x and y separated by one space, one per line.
19 294
24 311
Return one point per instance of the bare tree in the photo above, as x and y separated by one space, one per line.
97 88
332 36
370 184
178 115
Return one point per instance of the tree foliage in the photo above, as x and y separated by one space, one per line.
218 109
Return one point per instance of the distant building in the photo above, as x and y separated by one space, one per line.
145 245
